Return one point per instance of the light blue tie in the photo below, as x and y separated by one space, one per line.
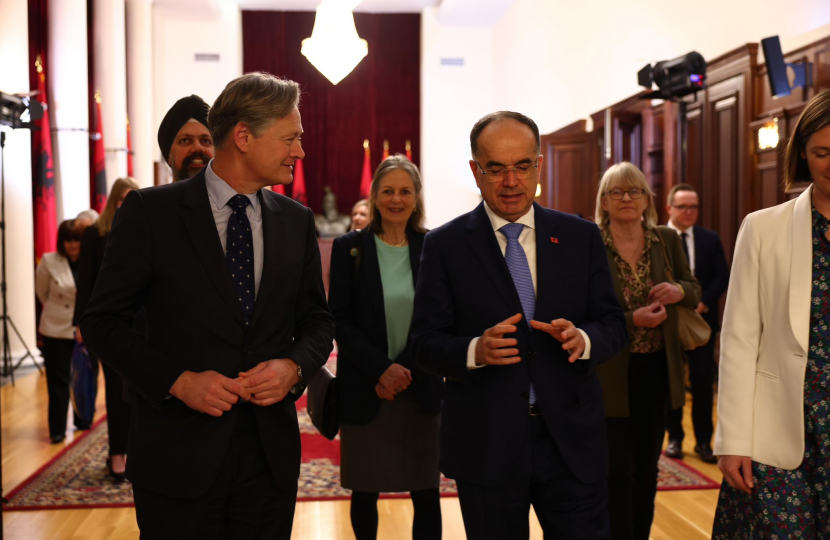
516 261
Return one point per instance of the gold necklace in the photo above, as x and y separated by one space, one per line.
402 244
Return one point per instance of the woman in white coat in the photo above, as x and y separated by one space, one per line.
773 437
55 288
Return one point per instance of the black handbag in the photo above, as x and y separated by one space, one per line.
322 403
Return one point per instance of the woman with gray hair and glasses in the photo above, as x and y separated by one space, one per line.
389 408
639 382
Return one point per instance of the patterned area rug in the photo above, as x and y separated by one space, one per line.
77 477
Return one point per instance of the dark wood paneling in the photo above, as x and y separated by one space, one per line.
565 176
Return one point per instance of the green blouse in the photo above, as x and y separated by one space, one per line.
398 294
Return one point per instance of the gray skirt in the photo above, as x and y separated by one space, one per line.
397 451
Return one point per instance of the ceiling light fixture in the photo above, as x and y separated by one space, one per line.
334 47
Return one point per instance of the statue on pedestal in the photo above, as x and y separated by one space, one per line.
332 223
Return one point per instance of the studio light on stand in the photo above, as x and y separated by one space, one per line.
334 47
15 112
675 79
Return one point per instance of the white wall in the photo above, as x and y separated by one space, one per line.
452 99
178 35
20 266
581 57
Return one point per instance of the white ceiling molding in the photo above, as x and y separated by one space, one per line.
366 6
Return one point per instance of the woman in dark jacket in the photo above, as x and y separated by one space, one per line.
639 382
93 245
389 408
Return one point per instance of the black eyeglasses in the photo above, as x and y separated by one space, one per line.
618 194
521 171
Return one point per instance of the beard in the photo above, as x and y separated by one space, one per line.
185 171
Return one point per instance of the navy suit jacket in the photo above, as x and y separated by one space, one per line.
356 301
164 254
464 288
712 272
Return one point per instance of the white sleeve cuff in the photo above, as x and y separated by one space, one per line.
471 355
587 354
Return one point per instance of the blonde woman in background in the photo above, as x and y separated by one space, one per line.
93 245
638 383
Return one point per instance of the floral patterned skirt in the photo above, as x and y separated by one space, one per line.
786 504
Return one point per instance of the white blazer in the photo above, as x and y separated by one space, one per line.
55 288
765 337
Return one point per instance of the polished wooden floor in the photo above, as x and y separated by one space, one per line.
681 515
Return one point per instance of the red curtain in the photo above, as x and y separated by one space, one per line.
380 99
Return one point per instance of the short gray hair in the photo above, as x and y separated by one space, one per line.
255 99
627 175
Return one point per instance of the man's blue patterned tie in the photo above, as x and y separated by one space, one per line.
239 254
516 260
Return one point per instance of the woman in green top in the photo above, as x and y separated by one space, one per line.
639 382
389 408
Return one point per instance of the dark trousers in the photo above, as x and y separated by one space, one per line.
634 446
57 358
566 507
702 379
243 504
426 523
118 411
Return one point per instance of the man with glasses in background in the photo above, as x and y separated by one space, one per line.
515 307
704 251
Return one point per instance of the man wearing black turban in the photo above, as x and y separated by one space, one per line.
184 139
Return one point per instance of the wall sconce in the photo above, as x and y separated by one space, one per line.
768 136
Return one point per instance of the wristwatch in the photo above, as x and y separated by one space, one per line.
297 388
299 374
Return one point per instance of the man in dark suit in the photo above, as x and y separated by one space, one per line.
184 138
515 306
704 250
229 274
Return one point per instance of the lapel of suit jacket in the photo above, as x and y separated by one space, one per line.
274 250
62 272
485 247
201 226
416 245
801 268
551 257
370 267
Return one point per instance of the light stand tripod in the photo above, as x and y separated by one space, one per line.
8 363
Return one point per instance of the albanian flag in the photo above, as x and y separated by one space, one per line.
43 177
408 150
129 150
366 177
98 162
385 149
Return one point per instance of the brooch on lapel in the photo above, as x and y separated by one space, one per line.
554 240
354 252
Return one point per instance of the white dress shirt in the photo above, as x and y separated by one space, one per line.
690 242
527 239
219 193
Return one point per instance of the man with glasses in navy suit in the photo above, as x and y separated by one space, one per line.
515 306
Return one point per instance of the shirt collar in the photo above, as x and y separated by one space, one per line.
220 192
528 220
690 232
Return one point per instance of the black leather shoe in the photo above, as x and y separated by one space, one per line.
117 477
674 450
57 439
706 454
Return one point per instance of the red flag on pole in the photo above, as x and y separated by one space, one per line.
408 150
279 188
385 149
129 150
366 177
97 169
43 179
298 185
